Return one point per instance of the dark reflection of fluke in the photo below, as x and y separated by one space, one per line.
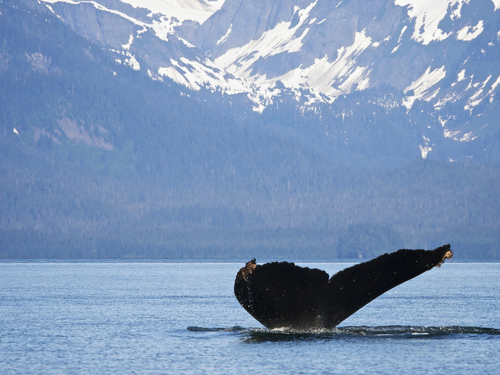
285 295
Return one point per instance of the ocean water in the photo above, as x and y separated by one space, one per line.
182 318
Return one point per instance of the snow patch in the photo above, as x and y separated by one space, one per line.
467 137
493 88
450 97
333 78
323 80
424 151
239 61
376 44
196 75
132 62
442 121
172 13
450 134
97 6
126 47
224 38
399 39
460 77
129 60
422 86
52 10
195 10
476 98
469 33
401 34
428 14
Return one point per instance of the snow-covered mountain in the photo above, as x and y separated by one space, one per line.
443 53
292 128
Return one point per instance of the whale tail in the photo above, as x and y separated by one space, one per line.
285 295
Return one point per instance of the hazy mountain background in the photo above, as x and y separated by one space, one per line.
114 146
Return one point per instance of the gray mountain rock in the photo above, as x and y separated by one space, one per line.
442 55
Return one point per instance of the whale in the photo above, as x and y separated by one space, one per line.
284 295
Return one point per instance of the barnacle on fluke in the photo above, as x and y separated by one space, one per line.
285 295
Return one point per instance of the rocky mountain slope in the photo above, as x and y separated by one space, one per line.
442 54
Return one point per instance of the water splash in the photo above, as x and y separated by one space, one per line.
216 329
346 333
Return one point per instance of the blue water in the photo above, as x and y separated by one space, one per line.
171 318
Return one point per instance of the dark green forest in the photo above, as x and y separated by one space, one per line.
100 161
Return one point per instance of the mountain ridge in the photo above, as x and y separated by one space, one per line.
317 51
99 160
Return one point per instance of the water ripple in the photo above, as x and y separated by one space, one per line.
284 334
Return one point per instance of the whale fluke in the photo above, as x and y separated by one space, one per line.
285 295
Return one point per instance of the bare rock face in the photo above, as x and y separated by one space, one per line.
251 18
285 295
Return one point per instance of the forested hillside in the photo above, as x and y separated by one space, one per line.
99 161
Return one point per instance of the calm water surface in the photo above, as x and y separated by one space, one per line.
170 318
